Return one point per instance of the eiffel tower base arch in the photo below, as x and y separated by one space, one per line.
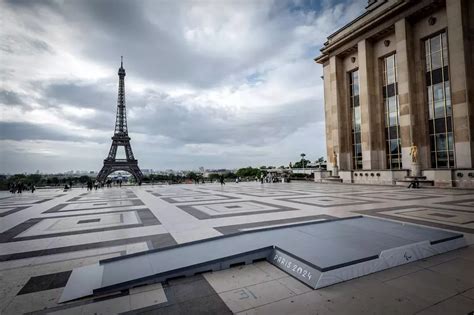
126 166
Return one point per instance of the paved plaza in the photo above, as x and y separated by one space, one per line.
43 236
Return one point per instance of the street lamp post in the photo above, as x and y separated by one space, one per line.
302 162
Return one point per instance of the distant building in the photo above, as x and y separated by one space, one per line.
402 73
147 171
317 165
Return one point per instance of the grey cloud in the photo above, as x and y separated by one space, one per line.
33 14
30 4
210 125
40 45
19 131
23 45
159 114
10 98
82 95
102 120
156 51
149 51
27 131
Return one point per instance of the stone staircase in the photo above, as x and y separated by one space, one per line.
332 179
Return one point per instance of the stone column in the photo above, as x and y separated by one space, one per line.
327 109
332 101
367 87
336 108
405 94
459 77
468 21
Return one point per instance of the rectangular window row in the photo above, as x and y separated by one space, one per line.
356 119
439 107
439 102
392 113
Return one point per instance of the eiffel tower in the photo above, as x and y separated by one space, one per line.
120 138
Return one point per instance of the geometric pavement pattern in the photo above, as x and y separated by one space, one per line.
44 235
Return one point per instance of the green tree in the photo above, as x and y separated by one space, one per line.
214 177
230 175
192 176
33 179
84 179
248 172
55 180
301 164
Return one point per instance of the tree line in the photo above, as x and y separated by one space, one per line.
249 173
42 180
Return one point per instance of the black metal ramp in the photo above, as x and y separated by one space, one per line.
317 253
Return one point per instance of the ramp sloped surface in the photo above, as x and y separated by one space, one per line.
318 253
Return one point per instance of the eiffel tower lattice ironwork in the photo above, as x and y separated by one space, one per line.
120 138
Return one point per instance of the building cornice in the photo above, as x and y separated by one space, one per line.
354 21
368 21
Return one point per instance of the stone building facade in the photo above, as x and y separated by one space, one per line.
402 73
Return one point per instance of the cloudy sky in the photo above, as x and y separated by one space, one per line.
209 83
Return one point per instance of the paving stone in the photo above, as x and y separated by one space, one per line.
430 285
295 285
271 270
237 277
110 306
438 259
303 304
458 268
369 297
469 293
253 296
455 305
185 289
32 302
211 304
147 298
46 282
145 288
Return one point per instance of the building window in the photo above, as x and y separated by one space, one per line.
439 102
356 120
392 113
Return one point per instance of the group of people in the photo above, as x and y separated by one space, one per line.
18 188
109 183
272 179
197 181
262 179
93 185
222 180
